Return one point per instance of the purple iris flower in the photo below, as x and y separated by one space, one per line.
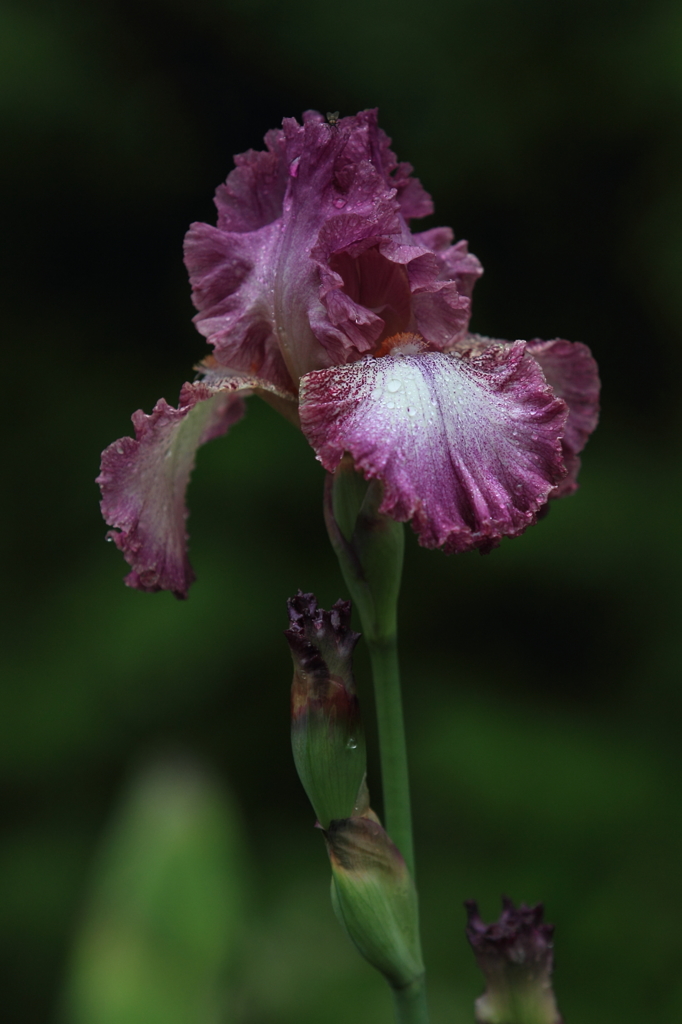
315 294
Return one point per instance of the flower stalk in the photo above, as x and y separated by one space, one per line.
373 891
369 546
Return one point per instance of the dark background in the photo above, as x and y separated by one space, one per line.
542 682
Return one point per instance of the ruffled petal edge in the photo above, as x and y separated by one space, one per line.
144 479
467 447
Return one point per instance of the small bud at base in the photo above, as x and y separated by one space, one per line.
515 954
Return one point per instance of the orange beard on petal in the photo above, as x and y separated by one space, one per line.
406 344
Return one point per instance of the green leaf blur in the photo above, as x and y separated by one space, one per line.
165 915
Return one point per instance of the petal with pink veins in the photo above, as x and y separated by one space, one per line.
144 479
232 278
467 447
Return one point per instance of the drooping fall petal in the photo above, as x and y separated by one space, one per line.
144 479
468 448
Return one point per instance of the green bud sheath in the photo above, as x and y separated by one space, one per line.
327 739
375 898
369 546
515 954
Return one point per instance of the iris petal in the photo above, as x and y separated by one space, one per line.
468 448
144 479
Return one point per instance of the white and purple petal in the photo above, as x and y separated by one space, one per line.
144 479
468 448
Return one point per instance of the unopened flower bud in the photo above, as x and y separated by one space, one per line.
515 954
326 732
375 898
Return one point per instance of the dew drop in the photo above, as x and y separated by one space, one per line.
339 203
393 386
390 405
518 487
411 412
352 743
293 167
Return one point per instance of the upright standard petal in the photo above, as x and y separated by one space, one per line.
312 262
144 479
467 447
253 193
232 277
455 262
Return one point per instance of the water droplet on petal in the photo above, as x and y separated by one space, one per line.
393 386
339 203
390 405
411 412
293 167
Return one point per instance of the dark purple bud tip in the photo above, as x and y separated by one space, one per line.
326 732
518 936
321 641
515 954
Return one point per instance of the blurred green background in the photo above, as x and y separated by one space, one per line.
157 849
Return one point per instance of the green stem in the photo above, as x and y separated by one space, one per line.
392 746
410 1003
369 546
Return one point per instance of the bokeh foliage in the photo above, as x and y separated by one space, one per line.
542 681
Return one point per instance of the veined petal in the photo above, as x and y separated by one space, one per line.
312 262
144 479
468 448
232 277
